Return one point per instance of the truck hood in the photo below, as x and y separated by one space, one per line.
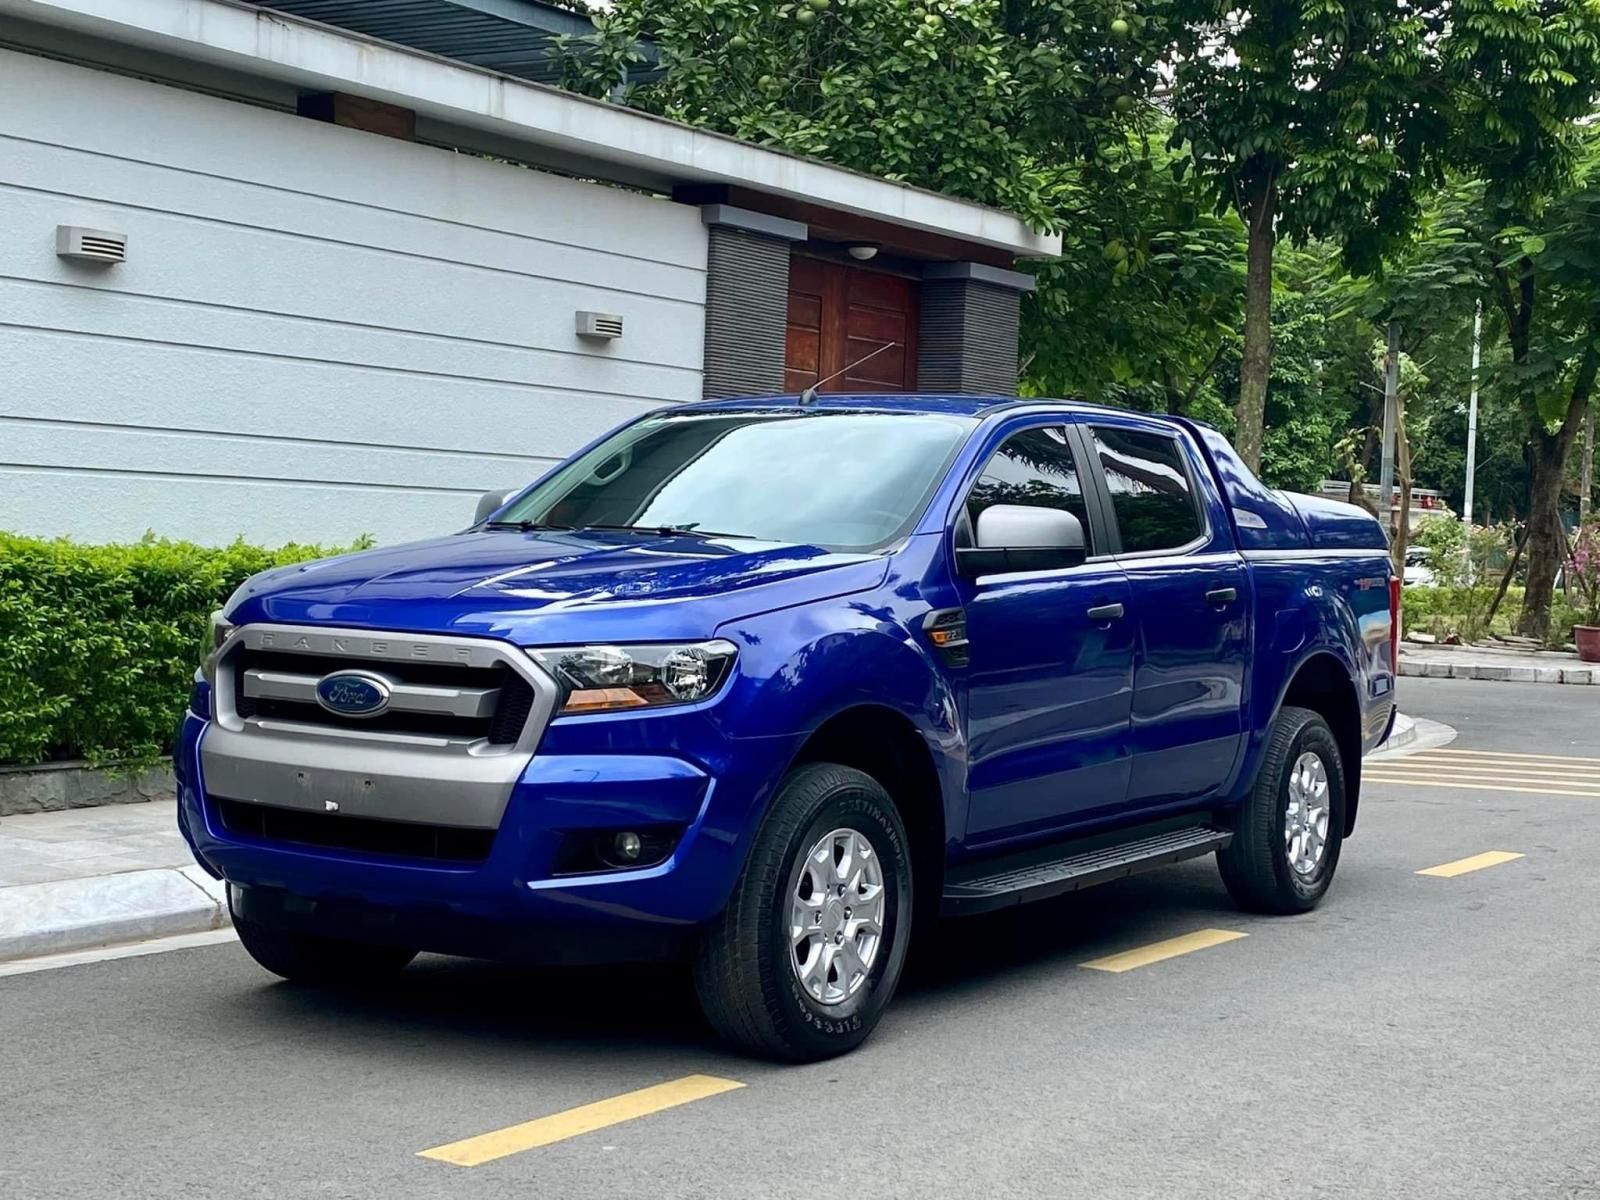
559 587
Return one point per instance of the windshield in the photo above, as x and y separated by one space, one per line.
843 480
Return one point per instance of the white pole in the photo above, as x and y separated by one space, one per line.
1472 418
1391 389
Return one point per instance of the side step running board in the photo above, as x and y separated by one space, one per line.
1017 878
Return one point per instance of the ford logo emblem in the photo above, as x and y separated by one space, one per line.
353 693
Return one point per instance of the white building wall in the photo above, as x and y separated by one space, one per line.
319 332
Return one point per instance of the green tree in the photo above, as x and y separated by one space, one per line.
1534 262
935 94
1330 118
1142 308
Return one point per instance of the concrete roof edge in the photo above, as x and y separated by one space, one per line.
245 37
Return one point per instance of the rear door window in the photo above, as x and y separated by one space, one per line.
1152 493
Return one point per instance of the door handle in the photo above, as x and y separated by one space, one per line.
1222 596
1105 612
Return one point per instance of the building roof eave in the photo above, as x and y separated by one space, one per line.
246 38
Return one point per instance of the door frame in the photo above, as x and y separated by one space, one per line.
967 590
1102 530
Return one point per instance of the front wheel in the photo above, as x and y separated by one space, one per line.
805 958
1288 834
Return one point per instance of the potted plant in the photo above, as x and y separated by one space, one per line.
1584 570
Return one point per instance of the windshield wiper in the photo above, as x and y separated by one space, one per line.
528 526
692 529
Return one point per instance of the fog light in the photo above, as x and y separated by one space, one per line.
586 850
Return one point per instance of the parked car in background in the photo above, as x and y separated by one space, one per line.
1419 567
774 684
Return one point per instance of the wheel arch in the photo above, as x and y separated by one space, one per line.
1323 684
885 744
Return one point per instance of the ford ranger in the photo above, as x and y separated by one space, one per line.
775 684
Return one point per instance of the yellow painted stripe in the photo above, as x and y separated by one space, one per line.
1477 862
1156 952
1451 752
1589 786
530 1135
1368 777
1488 771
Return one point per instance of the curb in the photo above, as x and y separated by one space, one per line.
56 787
1500 673
1401 736
1412 735
99 910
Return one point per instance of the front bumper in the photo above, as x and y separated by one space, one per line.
514 905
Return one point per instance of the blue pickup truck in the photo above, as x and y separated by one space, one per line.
775 684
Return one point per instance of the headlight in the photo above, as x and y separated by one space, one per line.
605 678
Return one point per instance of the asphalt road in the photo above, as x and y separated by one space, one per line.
1417 1036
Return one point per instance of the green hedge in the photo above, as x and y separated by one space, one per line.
1462 610
98 644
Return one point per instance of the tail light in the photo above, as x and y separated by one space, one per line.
1394 624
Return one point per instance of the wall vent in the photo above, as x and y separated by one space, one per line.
600 326
91 245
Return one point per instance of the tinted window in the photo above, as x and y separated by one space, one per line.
1032 467
827 478
1151 492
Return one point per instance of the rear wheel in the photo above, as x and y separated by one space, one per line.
1288 835
802 963
308 958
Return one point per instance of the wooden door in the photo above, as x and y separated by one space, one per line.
838 316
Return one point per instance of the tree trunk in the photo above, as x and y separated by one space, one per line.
1256 366
1548 468
1544 534
1586 467
1505 580
1358 468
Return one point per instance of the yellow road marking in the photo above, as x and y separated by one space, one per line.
1489 771
1520 778
530 1135
1477 862
1449 752
1157 951
1474 787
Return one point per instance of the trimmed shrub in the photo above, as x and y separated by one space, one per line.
99 644
1462 611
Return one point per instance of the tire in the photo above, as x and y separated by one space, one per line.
1256 865
307 958
747 968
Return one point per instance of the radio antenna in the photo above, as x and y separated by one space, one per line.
809 396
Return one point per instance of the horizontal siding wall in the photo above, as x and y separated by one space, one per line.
318 332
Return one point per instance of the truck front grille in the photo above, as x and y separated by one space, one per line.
364 835
458 702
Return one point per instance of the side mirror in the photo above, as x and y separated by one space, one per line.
491 502
1021 537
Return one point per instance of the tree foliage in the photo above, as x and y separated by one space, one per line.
1533 262
937 94
1245 193
1143 306
1331 119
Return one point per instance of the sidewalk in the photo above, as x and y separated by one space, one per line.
97 876
1502 665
